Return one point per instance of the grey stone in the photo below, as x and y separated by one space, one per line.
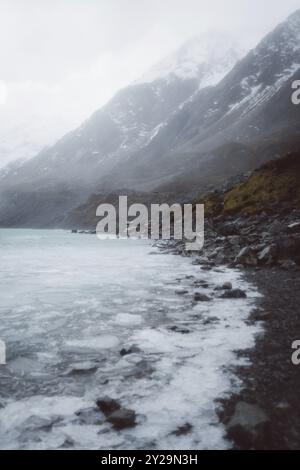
198 297
234 294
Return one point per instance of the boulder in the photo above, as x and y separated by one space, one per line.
198 297
234 294
122 419
108 405
247 257
227 286
268 255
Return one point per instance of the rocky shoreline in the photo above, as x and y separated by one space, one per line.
266 247
266 413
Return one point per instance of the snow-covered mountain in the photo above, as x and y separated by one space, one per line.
252 102
131 120
186 124
207 58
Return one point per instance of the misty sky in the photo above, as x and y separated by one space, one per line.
62 59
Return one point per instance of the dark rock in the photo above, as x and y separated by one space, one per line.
122 419
183 430
227 286
247 257
181 292
198 297
108 405
206 268
132 350
177 329
202 284
268 255
234 294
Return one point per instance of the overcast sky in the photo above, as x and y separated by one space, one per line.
62 59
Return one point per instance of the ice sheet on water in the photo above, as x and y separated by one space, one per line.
98 342
74 330
128 319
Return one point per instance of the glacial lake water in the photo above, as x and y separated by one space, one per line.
70 303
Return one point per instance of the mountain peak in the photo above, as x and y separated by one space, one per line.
207 58
295 17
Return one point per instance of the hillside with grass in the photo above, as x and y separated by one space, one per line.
275 185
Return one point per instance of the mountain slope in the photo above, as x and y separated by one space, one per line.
127 124
251 102
176 129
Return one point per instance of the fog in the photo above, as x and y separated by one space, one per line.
63 59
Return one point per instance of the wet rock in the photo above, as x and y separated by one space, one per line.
268 255
178 329
234 294
122 419
246 257
198 297
181 292
108 405
202 284
183 430
132 350
227 286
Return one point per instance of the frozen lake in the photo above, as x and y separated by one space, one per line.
70 303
